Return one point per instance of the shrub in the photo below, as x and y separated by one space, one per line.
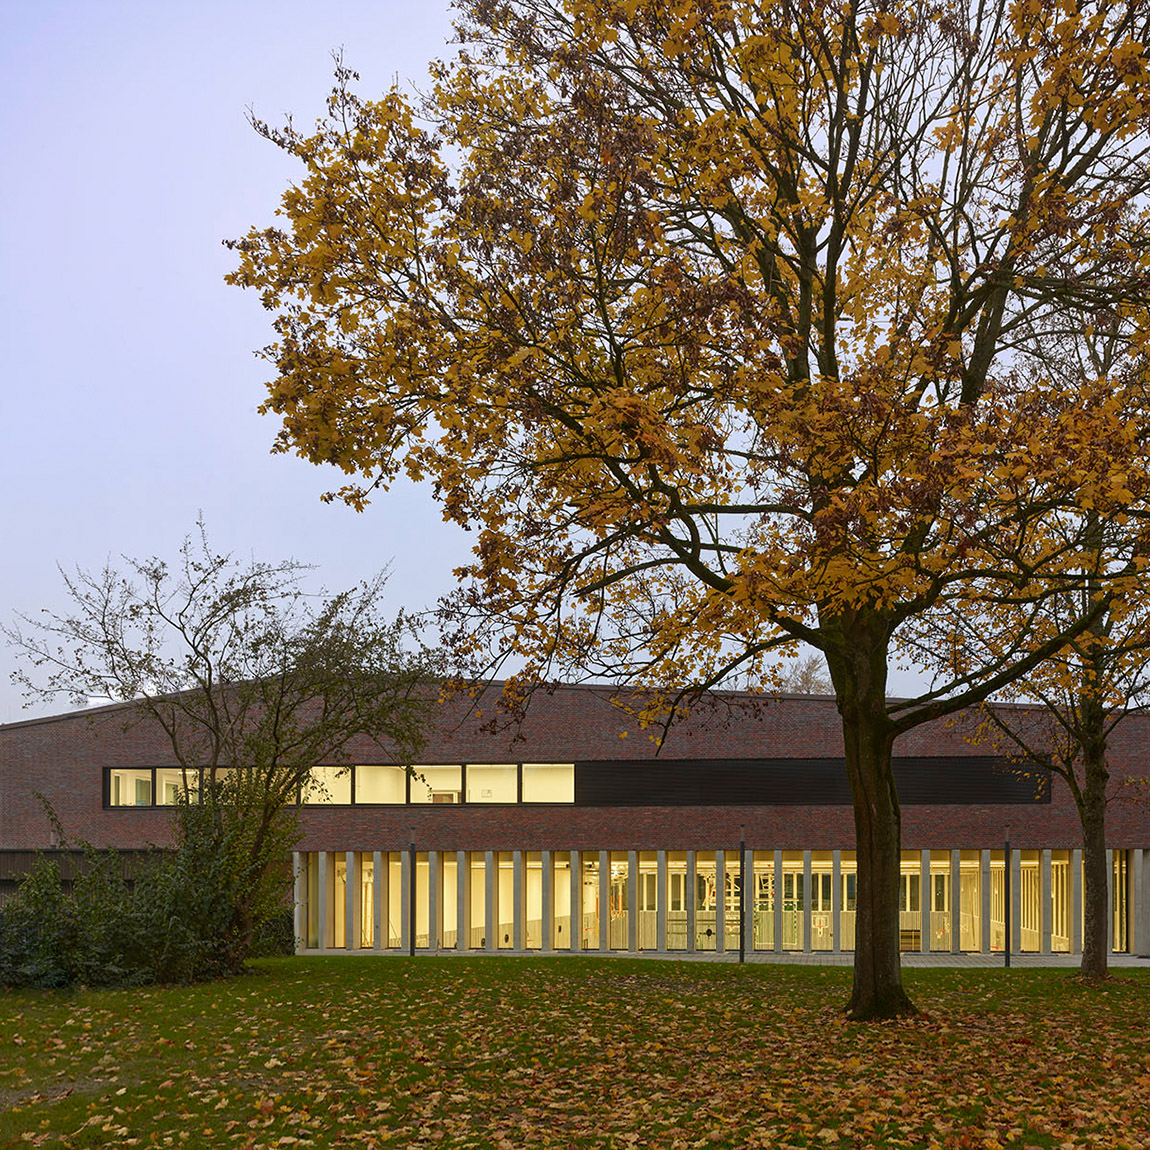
183 917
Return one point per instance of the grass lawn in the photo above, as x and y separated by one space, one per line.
505 1053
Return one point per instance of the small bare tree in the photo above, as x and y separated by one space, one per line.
250 678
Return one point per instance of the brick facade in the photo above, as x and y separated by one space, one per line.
62 758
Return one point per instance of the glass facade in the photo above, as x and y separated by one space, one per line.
691 901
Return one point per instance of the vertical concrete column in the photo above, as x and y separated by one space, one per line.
984 888
326 912
1076 902
519 901
1110 901
406 890
720 902
576 902
926 901
836 900
353 903
604 900
661 902
777 907
491 899
955 901
747 884
1015 901
379 892
547 927
1141 936
691 896
462 901
1047 901
807 902
434 900
632 901
299 900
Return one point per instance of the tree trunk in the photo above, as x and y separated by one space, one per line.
1092 805
860 687
1096 901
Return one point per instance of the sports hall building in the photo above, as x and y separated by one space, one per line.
572 831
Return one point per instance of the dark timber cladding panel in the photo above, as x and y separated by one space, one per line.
805 782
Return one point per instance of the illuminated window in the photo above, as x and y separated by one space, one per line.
381 784
492 783
328 786
436 784
130 788
174 785
548 782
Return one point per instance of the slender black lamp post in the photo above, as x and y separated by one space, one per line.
411 895
1006 898
743 889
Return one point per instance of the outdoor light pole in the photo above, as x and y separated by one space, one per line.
1006 898
411 895
743 888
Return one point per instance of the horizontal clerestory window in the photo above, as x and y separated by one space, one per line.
368 784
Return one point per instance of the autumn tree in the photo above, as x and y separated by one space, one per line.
703 316
252 681
1085 690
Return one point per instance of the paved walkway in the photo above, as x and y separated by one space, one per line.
788 958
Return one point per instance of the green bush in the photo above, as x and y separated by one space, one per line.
276 937
184 916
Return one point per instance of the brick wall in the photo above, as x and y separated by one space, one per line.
62 758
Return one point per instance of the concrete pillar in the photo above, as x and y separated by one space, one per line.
1110 901
925 901
1139 902
299 901
806 902
955 901
406 890
836 901
353 903
661 902
379 892
1076 902
1047 900
1141 874
326 913
720 902
491 899
1015 901
547 928
434 901
604 900
633 901
691 896
747 885
984 888
576 902
777 909
462 901
518 901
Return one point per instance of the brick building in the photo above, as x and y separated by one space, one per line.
572 829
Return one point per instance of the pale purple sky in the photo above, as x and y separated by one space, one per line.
129 384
